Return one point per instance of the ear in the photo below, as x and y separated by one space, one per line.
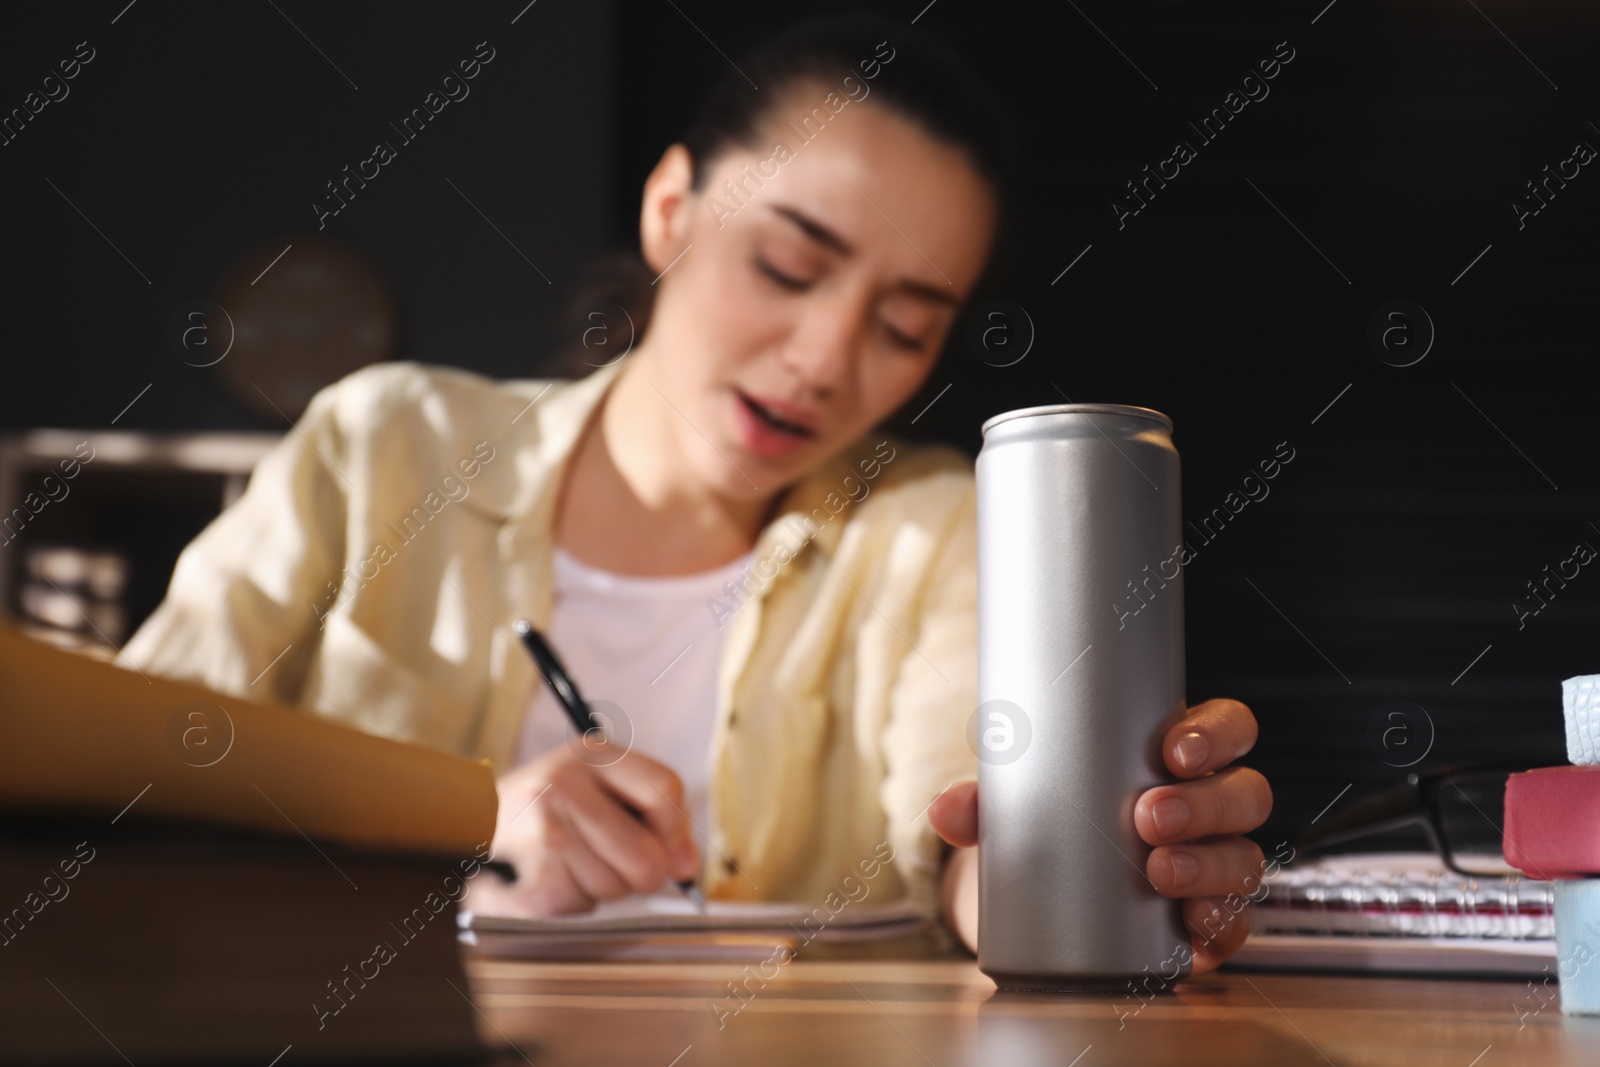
664 213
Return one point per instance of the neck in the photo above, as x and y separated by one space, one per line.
628 474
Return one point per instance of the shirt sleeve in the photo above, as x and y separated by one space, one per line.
241 611
936 692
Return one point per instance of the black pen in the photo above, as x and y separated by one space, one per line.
577 710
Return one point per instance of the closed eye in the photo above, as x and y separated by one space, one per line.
901 340
788 282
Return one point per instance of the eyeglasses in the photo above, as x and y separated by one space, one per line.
1461 810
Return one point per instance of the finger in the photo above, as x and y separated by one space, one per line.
488 896
544 889
620 840
1232 801
1218 928
656 793
1210 735
556 872
1213 869
593 876
954 814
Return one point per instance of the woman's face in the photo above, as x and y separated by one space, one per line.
808 285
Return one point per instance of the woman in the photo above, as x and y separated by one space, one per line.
770 600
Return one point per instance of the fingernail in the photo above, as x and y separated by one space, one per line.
1192 751
1171 815
1185 868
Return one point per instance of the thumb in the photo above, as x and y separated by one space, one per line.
954 814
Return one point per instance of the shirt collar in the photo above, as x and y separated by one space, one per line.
546 429
810 512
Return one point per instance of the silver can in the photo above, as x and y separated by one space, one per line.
1080 673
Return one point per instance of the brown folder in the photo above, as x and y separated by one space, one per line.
82 735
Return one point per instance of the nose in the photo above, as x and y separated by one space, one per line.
821 351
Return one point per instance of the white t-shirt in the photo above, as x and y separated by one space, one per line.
647 646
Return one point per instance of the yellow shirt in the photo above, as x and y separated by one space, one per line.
373 569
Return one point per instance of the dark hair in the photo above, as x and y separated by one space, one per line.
926 82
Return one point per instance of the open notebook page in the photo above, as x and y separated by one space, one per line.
662 912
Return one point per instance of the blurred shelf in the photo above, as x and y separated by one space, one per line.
91 521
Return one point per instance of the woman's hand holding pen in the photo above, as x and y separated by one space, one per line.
1194 826
578 834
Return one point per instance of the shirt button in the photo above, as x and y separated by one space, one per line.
733 717
728 865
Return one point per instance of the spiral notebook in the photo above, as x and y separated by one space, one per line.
1400 912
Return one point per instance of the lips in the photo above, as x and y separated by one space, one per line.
769 427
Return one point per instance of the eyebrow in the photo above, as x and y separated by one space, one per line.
831 240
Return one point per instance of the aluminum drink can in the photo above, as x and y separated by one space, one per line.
1080 674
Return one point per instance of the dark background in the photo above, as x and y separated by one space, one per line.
1390 551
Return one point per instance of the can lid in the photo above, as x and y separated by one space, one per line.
1080 409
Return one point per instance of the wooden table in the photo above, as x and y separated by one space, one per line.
946 1013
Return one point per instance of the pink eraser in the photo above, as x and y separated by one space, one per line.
1553 822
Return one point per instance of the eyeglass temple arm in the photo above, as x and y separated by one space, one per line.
1389 809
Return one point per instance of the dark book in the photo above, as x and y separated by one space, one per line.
159 943
190 878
